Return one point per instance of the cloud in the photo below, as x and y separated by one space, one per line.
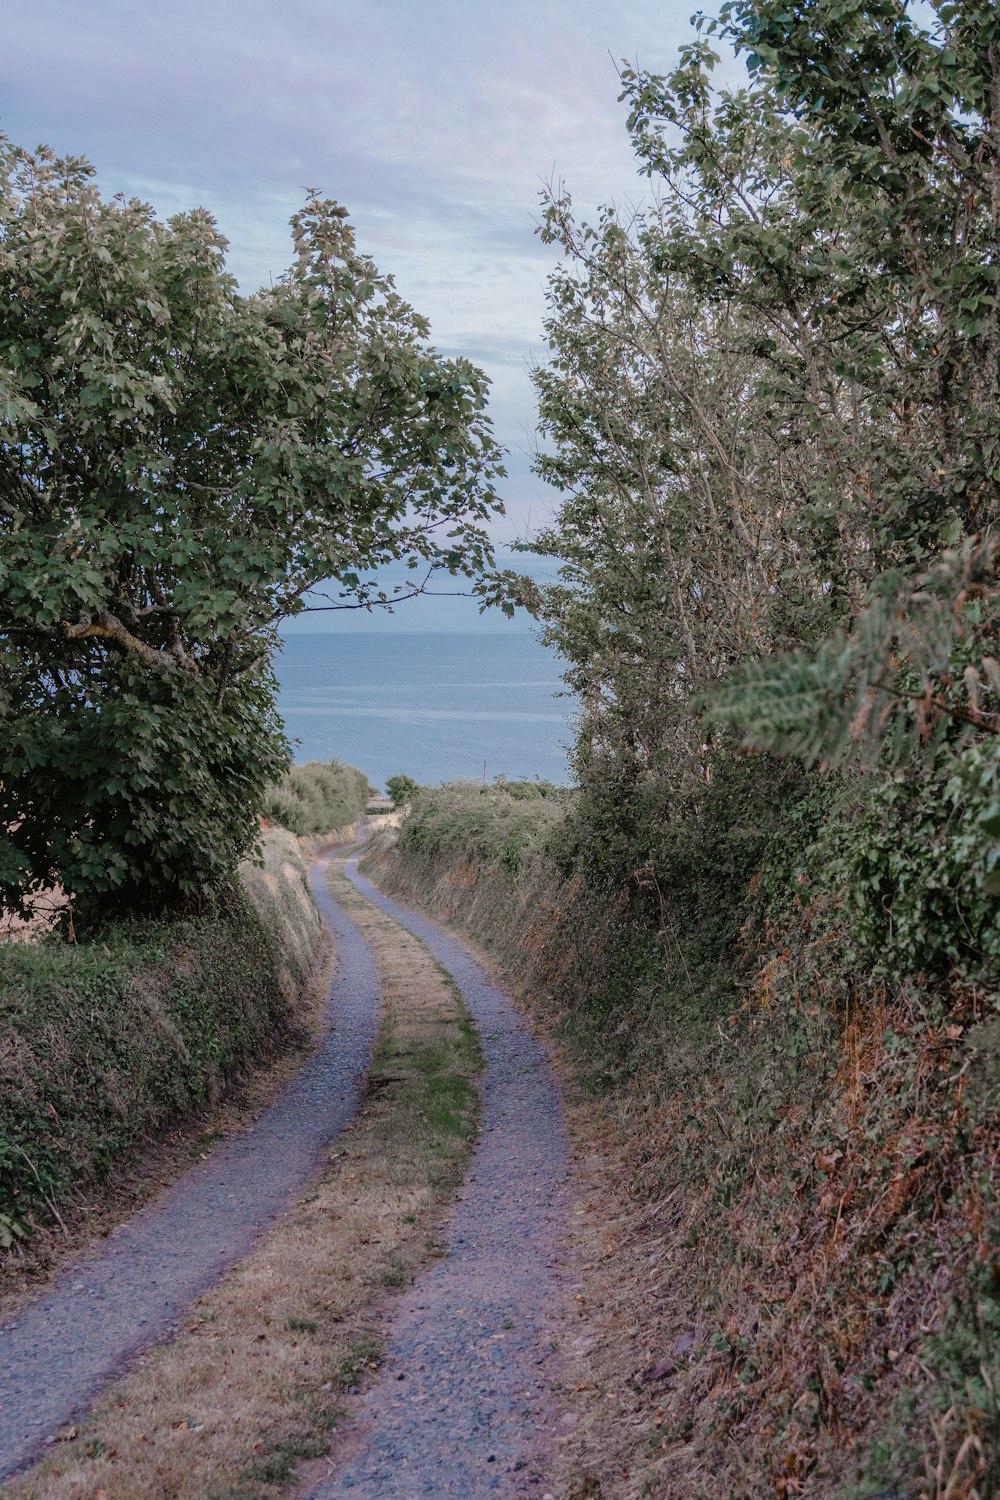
435 125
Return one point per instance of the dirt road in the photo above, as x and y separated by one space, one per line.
460 1405
61 1350
461 1408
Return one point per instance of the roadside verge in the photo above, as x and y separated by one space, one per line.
125 1058
256 1383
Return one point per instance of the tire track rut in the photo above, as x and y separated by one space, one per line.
461 1407
61 1350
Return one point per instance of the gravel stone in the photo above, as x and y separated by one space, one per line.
60 1351
473 1334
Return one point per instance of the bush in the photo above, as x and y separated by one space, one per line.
489 824
401 789
318 797
135 792
912 868
107 1042
527 791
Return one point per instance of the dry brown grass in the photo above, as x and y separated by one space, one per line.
756 1340
640 1321
227 1410
682 1395
757 1349
312 845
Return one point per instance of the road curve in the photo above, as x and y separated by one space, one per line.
61 1350
459 1408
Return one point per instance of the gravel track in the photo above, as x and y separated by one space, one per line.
61 1350
459 1409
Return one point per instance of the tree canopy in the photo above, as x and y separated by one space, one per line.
180 464
772 403
771 410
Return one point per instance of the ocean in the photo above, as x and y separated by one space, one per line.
432 705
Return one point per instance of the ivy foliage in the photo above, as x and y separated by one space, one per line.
913 872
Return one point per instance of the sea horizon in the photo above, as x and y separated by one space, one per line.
435 705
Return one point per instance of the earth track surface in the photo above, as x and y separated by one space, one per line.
62 1349
460 1407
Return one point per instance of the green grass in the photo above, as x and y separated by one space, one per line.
494 825
449 1100
367 1350
302 1325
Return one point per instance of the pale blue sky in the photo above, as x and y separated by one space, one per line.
435 124
448 605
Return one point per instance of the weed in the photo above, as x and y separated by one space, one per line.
279 1466
302 1325
366 1352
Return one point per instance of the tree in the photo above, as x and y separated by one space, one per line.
401 789
904 119
771 408
788 371
179 465
655 432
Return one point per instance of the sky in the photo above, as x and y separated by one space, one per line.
435 124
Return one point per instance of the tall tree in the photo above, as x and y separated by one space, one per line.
179 465
902 122
834 227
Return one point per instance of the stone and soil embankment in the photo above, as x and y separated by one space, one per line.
271 1368
125 1054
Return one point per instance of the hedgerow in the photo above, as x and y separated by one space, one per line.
825 1137
317 797
492 824
107 1042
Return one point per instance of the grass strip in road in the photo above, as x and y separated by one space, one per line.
254 1386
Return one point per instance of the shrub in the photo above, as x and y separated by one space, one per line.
106 1042
318 797
488 824
401 789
